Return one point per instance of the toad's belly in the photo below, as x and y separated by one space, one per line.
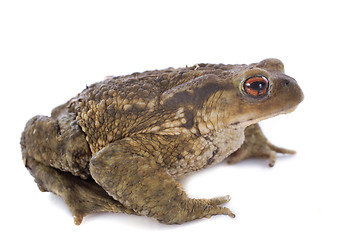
208 150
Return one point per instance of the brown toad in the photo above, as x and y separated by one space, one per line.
121 144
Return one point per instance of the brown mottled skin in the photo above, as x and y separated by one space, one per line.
121 144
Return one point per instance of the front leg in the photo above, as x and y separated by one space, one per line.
256 145
131 175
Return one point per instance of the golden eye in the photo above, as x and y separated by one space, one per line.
256 86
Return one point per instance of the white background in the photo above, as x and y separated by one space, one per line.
50 50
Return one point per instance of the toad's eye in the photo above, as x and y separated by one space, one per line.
256 86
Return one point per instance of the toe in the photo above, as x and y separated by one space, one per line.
77 219
281 150
219 200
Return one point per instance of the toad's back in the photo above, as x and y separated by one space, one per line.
121 106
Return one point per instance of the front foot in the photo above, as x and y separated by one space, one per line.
256 145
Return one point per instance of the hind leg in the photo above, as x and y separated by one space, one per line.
82 197
57 155
57 142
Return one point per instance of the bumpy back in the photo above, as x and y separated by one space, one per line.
121 106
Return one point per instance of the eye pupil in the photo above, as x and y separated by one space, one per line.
256 86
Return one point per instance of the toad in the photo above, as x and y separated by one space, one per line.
121 144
